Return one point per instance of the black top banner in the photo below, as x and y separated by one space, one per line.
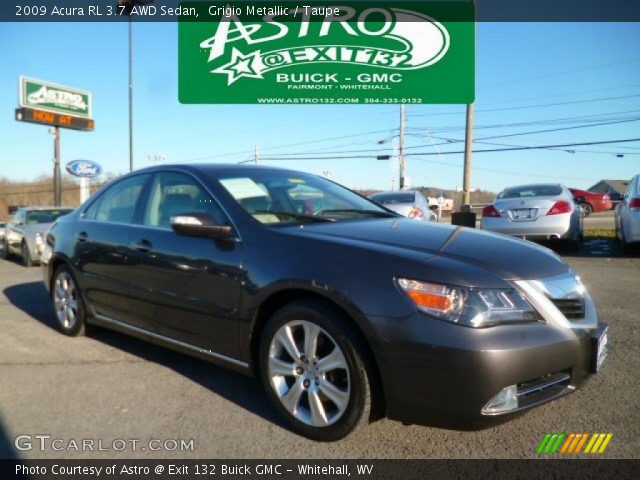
171 10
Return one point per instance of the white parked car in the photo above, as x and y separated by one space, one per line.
627 216
535 212
408 203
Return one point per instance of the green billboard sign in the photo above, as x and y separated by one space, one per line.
354 53
54 98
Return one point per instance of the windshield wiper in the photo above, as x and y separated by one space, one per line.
373 213
297 216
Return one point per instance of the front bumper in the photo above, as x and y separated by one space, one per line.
443 374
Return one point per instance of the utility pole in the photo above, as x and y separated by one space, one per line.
126 7
57 178
256 155
130 94
402 145
468 147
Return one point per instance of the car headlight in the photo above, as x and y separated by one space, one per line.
472 307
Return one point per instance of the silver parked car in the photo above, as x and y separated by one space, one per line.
408 203
535 212
627 216
26 231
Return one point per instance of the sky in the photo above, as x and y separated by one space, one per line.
525 74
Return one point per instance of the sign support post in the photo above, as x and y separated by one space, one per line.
468 147
57 178
402 146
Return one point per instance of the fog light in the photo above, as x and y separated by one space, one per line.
504 401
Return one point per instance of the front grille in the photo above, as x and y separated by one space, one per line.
571 308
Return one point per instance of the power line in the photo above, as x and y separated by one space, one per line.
538 105
566 72
208 157
449 141
534 147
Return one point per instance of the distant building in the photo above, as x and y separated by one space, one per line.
615 188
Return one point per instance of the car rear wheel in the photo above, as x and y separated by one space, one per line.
26 256
585 208
312 367
67 303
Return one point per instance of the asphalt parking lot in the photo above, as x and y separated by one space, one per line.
110 386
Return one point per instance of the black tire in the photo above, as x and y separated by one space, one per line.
586 208
358 410
79 327
26 256
3 250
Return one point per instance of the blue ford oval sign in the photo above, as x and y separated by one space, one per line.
84 168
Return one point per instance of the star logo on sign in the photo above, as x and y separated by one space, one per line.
241 66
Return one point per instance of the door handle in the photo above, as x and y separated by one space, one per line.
82 237
143 246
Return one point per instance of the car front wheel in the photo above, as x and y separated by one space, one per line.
26 256
67 303
312 367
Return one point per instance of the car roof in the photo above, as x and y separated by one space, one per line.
215 169
530 185
44 207
395 191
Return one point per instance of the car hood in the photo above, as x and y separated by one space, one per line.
511 258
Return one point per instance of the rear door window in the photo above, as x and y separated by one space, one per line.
118 203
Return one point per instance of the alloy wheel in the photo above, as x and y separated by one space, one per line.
65 300
309 373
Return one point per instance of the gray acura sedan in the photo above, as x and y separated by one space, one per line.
346 311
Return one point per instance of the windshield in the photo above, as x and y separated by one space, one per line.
45 216
274 197
394 198
531 191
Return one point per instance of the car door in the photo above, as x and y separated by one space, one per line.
102 251
188 287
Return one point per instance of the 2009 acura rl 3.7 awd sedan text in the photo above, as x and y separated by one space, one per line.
345 310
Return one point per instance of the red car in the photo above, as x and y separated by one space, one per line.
591 201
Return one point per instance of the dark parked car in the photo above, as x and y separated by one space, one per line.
346 311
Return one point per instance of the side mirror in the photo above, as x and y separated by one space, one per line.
434 208
196 224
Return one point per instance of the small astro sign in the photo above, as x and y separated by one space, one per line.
50 97
84 168
358 52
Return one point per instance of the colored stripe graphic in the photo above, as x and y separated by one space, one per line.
592 440
570 439
573 443
582 442
543 443
606 442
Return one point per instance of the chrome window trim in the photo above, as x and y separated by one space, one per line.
173 341
164 229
